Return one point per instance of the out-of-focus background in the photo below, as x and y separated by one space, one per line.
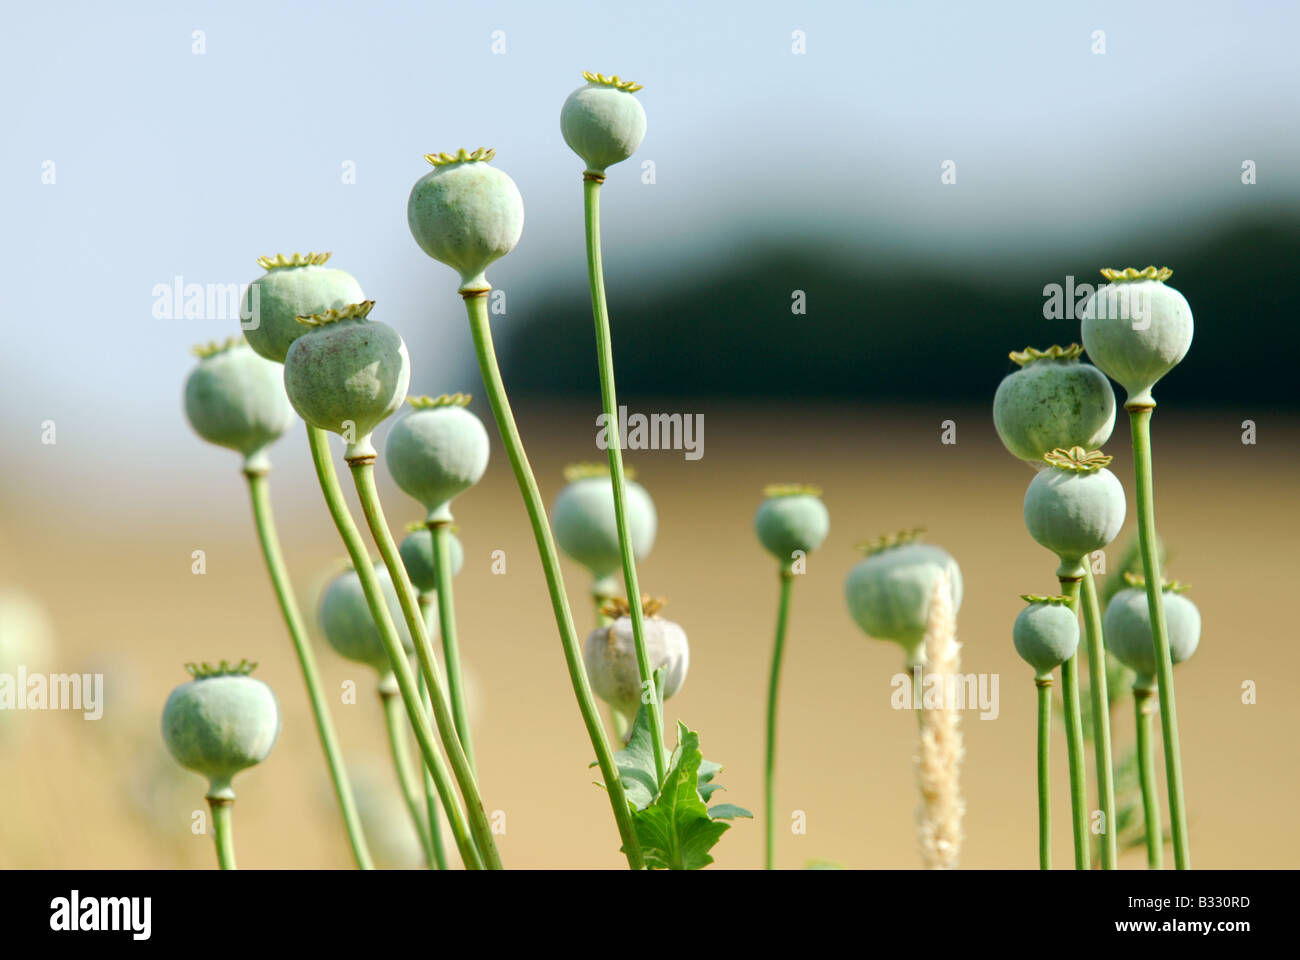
794 155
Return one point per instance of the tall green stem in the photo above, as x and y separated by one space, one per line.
1146 757
773 689
1074 743
1100 719
318 440
363 472
223 831
476 307
447 621
1140 421
259 493
395 721
1044 772
430 792
614 445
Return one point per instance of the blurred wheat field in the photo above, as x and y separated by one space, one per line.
123 601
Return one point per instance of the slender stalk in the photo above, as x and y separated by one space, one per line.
476 307
773 688
1074 743
363 472
223 831
1146 757
614 445
1044 772
320 454
1140 421
430 793
395 721
259 493
447 621
1100 719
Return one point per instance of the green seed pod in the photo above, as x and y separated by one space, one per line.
417 557
1136 329
1075 507
220 723
466 214
437 452
791 520
602 122
889 590
610 656
1127 628
584 522
346 622
294 286
235 399
1053 402
1046 633
347 375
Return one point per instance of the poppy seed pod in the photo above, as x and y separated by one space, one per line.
792 519
466 214
437 452
298 285
610 656
1136 329
1127 626
1046 633
1075 507
347 374
602 122
350 629
584 522
235 399
417 556
888 591
221 722
1053 401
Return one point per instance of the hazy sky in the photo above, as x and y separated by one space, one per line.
168 162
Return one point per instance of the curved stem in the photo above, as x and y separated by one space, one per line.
265 522
318 440
614 446
1140 421
363 472
430 793
447 621
223 831
773 688
395 721
1074 743
476 307
1044 772
1146 757
1100 719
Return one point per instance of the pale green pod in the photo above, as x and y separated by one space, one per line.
1053 402
221 722
610 657
791 520
437 452
889 590
466 214
347 375
584 522
346 622
297 285
602 122
1127 628
1074 507
1046 633
235 399
417 556
1136 329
